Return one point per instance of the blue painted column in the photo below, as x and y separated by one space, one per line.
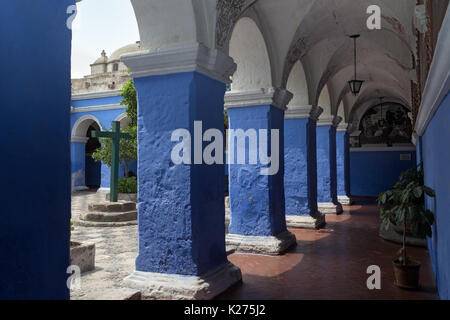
78 160
181 212
343 164
257 202
35 213
300 176
326 166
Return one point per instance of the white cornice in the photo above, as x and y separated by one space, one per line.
189 58
95 95
97 108
414 138
438 82
79 139
276 97
343 127
329 121
384 149
306 112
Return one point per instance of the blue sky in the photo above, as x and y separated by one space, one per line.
100 24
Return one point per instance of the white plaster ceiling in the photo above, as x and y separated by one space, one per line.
314 32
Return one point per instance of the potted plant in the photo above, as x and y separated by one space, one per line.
404 206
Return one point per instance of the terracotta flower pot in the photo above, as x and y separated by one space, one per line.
407 277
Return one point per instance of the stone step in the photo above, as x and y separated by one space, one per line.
121 206
82 223
109 216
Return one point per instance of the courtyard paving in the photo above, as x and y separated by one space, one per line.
115 252
326 264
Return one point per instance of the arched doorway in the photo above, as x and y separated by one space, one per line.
86 173
93 169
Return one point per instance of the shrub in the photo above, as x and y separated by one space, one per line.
128 185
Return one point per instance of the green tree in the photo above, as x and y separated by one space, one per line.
128 148
129 100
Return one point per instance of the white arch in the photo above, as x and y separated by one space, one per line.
123 119
325 102
298 85
249 51
81 126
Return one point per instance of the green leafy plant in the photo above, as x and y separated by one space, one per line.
404 205
129 100
226 120
128 148
128 185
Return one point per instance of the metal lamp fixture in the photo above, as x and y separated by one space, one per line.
355 85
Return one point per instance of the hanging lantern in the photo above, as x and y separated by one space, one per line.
355 85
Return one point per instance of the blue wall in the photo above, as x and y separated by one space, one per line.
374 172
436 157
35 219
78 161
96 102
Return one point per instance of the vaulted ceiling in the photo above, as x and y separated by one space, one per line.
314 33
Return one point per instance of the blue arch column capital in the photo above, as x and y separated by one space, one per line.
300 178
326 166
181 211
257 201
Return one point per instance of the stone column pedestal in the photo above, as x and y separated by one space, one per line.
180 287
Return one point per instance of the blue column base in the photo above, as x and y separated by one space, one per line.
178 287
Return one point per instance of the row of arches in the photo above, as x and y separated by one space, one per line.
273 43
254 71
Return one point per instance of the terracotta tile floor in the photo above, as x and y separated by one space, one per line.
330 264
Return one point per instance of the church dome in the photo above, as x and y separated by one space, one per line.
134 47
102 59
